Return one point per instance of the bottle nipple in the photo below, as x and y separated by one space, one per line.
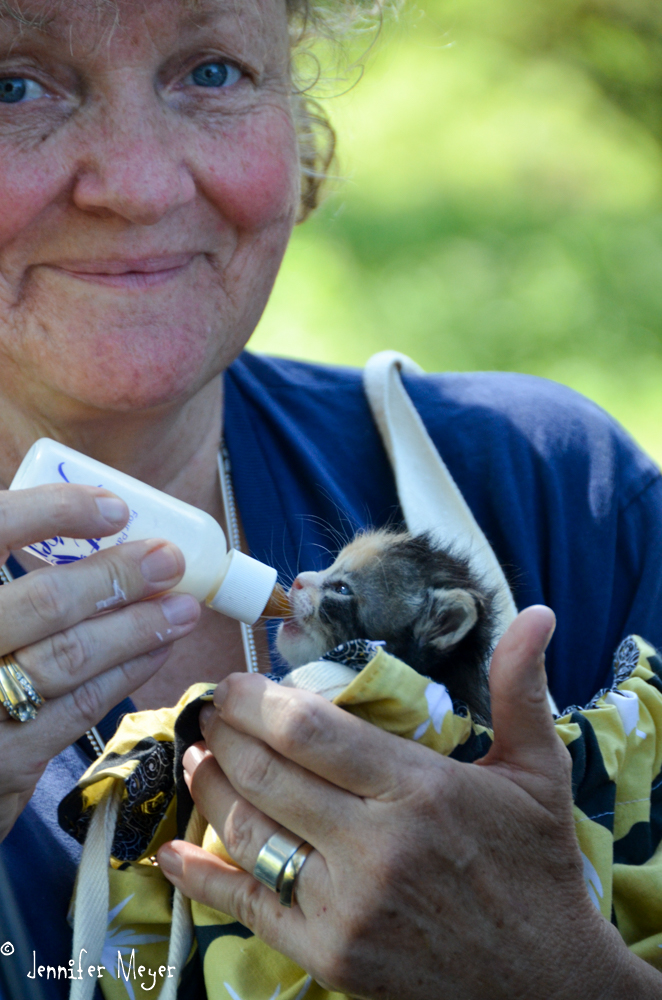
278 605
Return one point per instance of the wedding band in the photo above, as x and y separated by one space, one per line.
291 873
17 692
274 856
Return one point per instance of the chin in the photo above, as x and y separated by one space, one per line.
134 368
136 383
123 356
297 646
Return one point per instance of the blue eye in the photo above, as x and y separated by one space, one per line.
342 589
215 74
13 90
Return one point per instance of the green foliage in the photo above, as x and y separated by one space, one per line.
501 207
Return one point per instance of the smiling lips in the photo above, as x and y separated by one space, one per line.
145 272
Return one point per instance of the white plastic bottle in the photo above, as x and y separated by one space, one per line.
229 582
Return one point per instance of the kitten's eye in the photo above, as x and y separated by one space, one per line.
342 589
215 74
17 89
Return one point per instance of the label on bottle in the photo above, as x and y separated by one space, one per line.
59 551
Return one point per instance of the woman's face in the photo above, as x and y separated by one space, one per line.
148 186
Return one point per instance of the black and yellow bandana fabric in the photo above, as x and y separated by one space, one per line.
616 749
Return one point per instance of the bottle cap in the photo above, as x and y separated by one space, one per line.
246 588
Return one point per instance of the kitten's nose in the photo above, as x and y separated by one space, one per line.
306 580
304 595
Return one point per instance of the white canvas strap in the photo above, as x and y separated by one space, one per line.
428 494
429 497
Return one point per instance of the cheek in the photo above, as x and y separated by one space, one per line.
29 184
252 175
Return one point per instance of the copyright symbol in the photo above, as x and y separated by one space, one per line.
7 949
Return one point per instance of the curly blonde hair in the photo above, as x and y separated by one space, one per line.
312 21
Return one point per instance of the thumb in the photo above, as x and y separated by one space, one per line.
524 735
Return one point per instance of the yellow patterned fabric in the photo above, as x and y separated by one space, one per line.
616 749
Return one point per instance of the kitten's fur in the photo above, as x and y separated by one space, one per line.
423 601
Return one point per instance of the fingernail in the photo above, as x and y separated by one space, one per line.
180 609
171 862
220 694
205 715
113 510
193 757
160 565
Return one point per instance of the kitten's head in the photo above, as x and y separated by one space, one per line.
421 600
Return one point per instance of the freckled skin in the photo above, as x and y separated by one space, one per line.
122 159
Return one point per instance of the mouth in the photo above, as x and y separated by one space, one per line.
127 273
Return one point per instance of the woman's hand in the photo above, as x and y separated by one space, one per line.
81 662
430 878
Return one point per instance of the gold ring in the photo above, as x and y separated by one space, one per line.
273 858
291 873
17 692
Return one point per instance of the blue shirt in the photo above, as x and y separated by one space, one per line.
571 506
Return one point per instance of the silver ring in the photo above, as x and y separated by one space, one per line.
274 856
18 694
291 873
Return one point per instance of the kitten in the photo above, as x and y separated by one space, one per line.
423 601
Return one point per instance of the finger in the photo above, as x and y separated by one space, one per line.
524 735
63 661
59 723
29 516
243 829
305 728
295 798
209 880
57 597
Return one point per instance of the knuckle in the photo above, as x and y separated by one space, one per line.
246 903
68 652
296 724
255 771
239 831
48 597
431 793
88 703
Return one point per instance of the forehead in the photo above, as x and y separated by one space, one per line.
74 20
366 551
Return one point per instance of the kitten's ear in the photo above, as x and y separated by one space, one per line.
453 613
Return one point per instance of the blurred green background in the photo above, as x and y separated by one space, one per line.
501 202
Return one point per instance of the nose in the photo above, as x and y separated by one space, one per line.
304 580
133 168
